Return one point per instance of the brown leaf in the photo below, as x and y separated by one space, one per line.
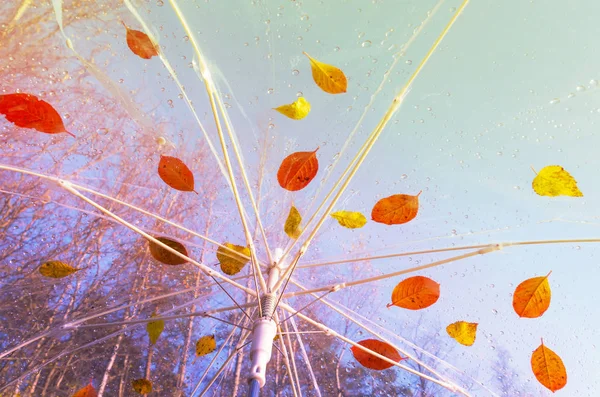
548 368
164 256
297 170
415 293
142 386
27 111
56 269
140 44
176 174
396 209
372 362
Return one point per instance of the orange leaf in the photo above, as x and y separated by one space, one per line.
176 174
370 361
532 297
548 368
167 257
297 170
140 44
87 391
27 111
415 293
396 209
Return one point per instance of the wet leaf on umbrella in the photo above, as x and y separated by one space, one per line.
463 332
532 297
164 256
296 110
292 223
206 345
370 361
548 368
140 44
154 329
142 386
297 170
87 391
233 262
349 219
329 78
56 269
176 174
553 181
27 111
415 293
396 209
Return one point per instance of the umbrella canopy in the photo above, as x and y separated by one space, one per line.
403 193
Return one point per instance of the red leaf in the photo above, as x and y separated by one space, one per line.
297 170
140 44
372 362
176 174
87 391
396 209
27 111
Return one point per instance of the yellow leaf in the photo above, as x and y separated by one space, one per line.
232 262
206 345
292 224
553 181
349 219
56 269
154 329
296 110
142 386
462 332
329 78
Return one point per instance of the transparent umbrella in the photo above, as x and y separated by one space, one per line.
298 198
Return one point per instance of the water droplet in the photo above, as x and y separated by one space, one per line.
593 82
270 91
361 35
271 126
170 102
186 38
336 49
102 131
408 62
580 88
295 72
403 176
304 17
299 94
366 43
571 95
161 140
160 3
554 101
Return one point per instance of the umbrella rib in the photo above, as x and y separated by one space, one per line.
285 355
307 305
305 356
294 368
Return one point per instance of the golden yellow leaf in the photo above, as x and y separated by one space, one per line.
462 332
56 269
548 368
232 262
349 219
142 386
296 110
206 345
154 329
553 181
329 78
292 223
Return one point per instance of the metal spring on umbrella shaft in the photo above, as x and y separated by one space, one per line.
268 304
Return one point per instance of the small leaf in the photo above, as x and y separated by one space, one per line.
56 269
463 332
329 78
553 181
415 293
396 209
532 297
232 262
292 224
206 345
372 362
548 368
351 220
296 110
87 391
154 329
140 44
164 256
27 111
142 386
176 174
297 170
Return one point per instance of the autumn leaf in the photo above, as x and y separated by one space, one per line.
176 174
532 297
396 209
463 332
232 262
27 111
351 220
296 110
140 44
415 293
87 391
142 386
329 78
292 224
206 345
553 181
154 329
56 269
163 256
548 368
297 170
372 362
